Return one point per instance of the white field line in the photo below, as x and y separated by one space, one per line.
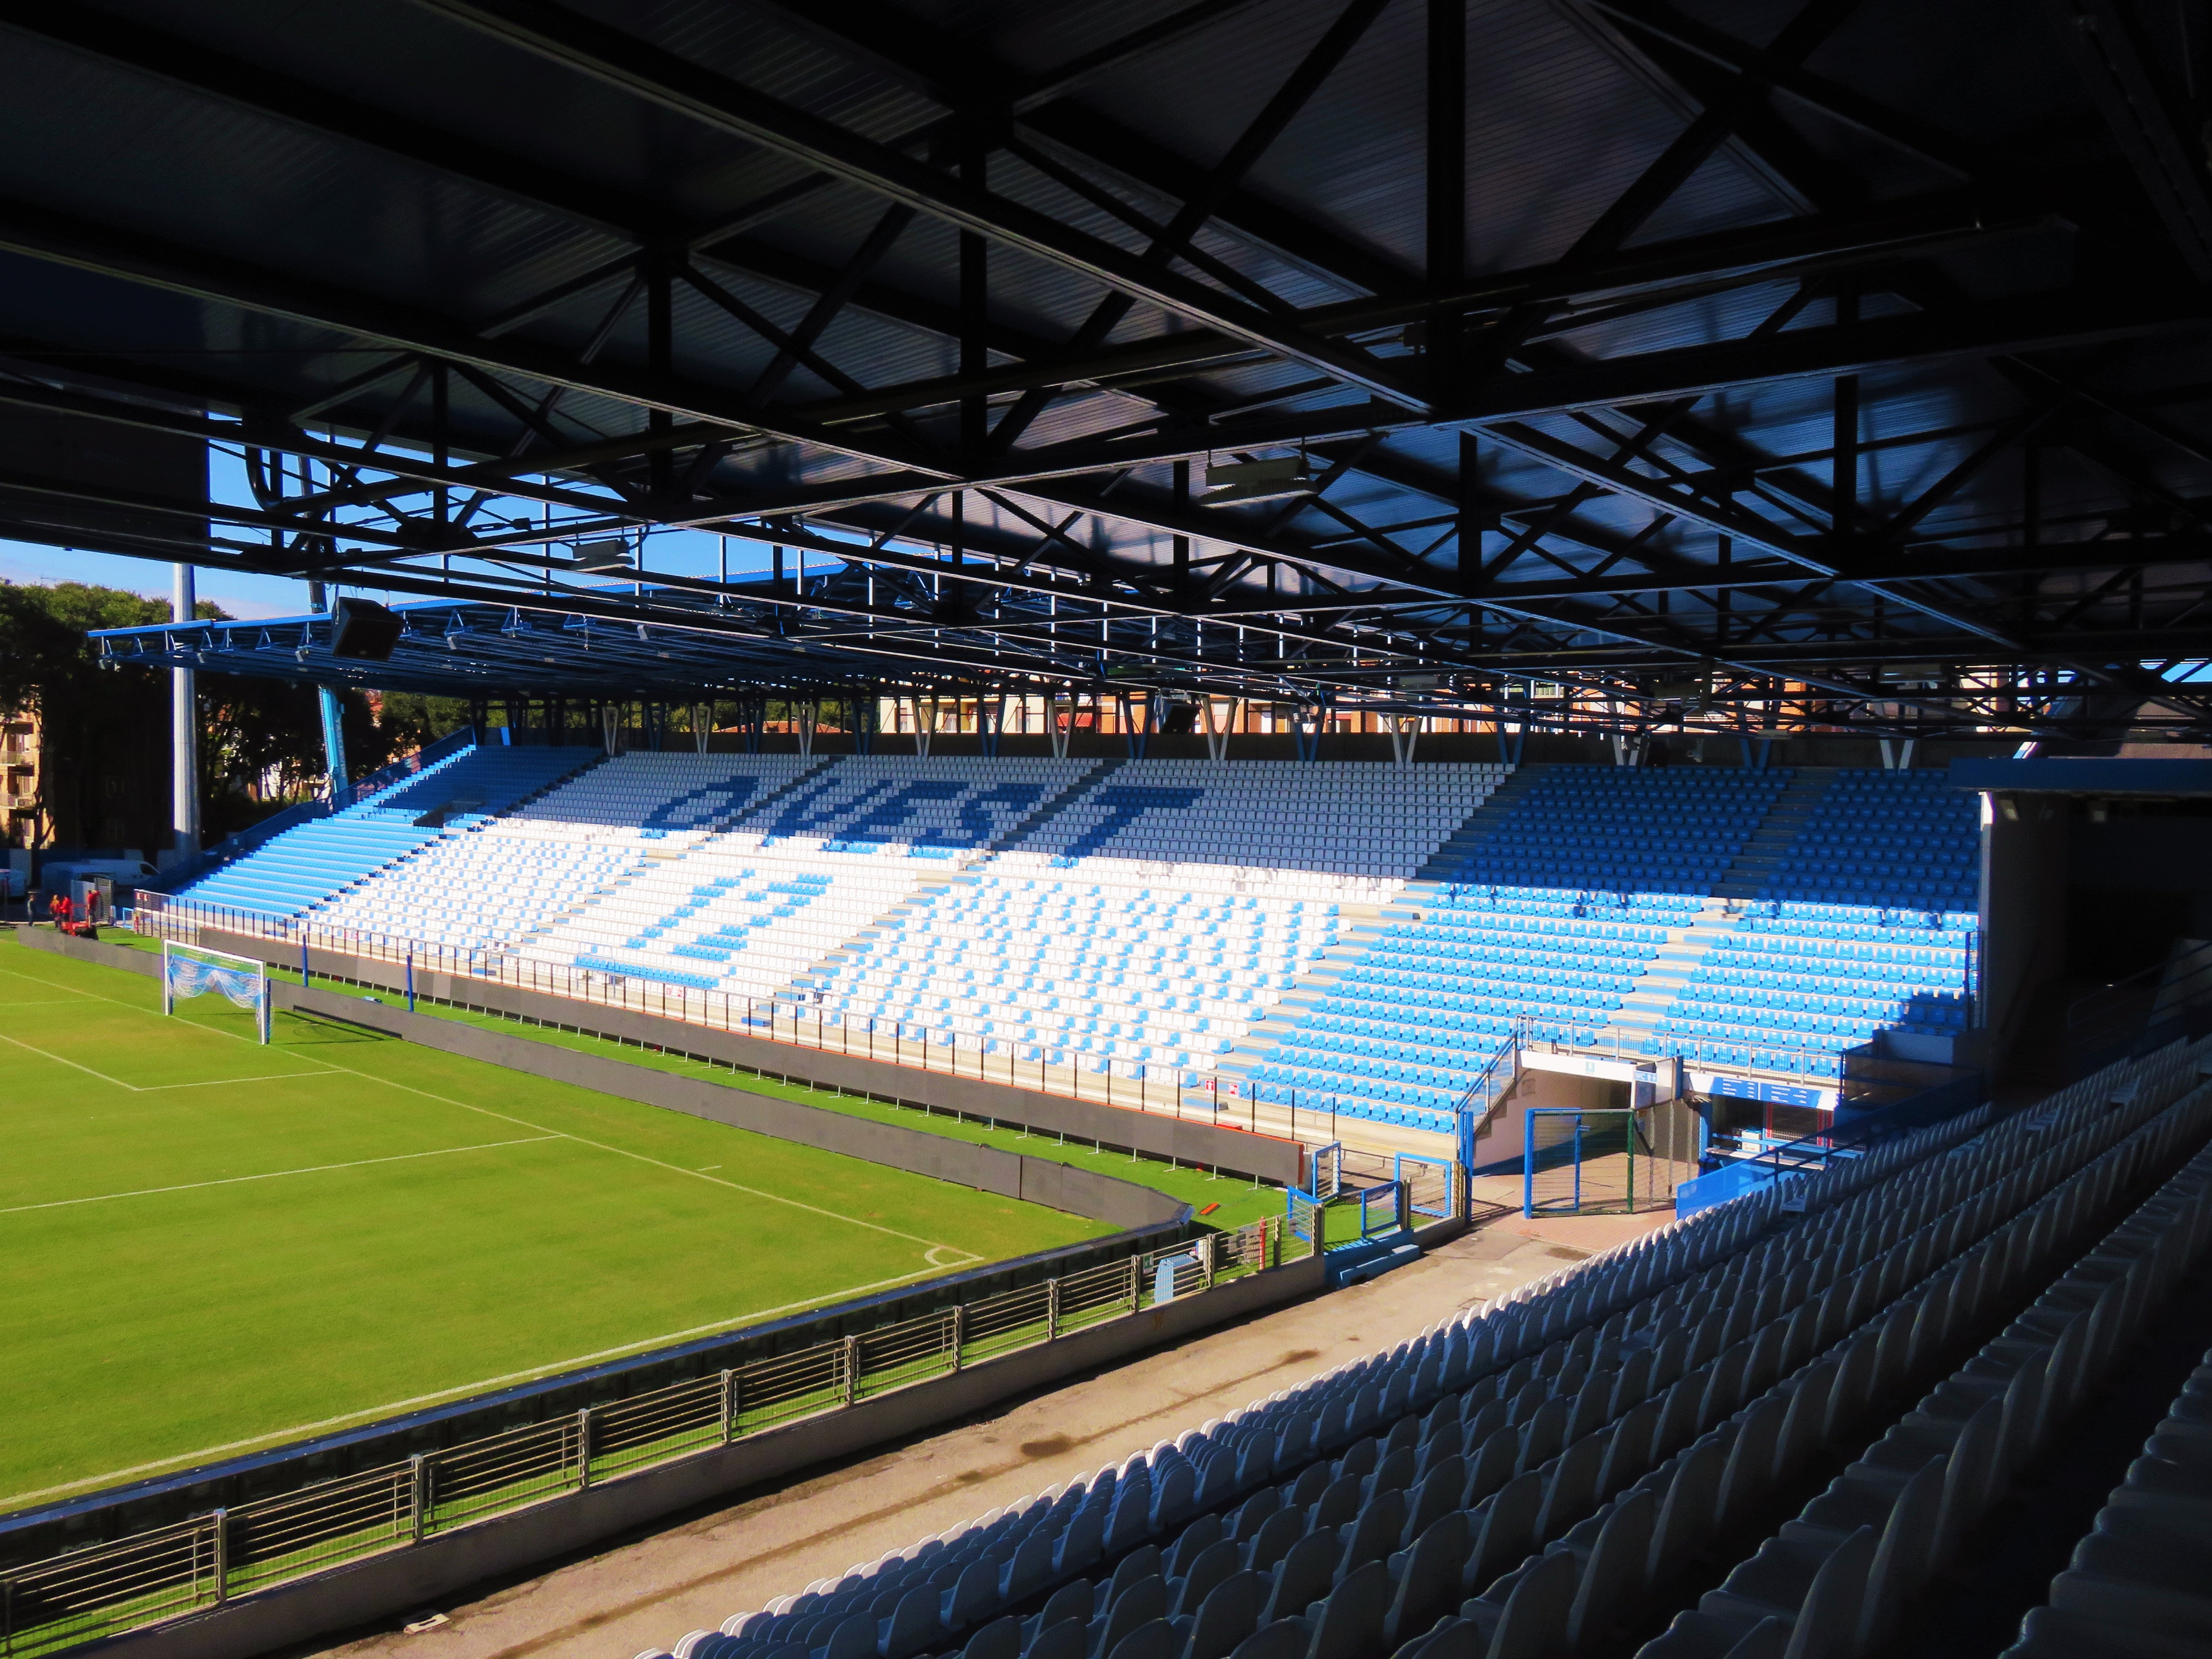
272 1175
139 1088
75 994
928 1245
392 1406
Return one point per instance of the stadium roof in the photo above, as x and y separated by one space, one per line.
1698 353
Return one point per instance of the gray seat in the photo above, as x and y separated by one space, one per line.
1428 1577
1273 1542
1154 1639
1613 1570
1230 1612
1350 1622
1000 1639
1139 1603
1303 1577
1507 1526
1212 1564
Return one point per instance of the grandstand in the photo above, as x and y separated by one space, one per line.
1543 1476
304 868
1362 940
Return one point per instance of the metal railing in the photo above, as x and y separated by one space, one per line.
1485 1098
167 1572
952 1049
1848 1136
408 765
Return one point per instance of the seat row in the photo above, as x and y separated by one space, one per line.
1836 1582
1342 1518
2136 1586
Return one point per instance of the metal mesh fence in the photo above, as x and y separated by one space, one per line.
1590 1161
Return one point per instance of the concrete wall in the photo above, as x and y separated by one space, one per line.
1187 1141
1039 1181
425 1574
2023 920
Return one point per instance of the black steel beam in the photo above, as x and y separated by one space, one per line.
622 60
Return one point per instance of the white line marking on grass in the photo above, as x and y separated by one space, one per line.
217 1083
55 985
146 1088
300 1429
273 1174
509 1117
48 1054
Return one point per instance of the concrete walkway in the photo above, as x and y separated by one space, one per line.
692 1574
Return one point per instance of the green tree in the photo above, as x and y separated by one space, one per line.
105 775
104 733
408 721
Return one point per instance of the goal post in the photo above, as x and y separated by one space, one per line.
191 971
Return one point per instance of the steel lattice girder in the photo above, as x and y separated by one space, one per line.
1613 559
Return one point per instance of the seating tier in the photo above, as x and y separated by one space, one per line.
1537 1478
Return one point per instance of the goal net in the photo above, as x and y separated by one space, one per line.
191 971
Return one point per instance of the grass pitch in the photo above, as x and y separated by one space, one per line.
208 1247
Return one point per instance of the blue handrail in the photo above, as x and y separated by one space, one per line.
408 765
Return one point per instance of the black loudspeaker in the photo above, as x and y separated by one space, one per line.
363 630
1177 719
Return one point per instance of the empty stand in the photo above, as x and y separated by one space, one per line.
1346 831
1086 976
1144 925
761 893
1251 930
1537 916
299 869
1865 922
1535 1479
1590 830
490 883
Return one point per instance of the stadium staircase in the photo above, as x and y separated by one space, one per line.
1822 1388
1794 809
1052 808
803 985
1662 982
1364 926
1437 868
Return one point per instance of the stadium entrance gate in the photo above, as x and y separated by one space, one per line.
1605 1161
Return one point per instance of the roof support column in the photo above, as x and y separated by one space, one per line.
660 354
333 713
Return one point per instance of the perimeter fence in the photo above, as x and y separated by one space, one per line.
953 1044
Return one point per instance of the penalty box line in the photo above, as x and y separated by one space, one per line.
931 1246
276 1175
147 1088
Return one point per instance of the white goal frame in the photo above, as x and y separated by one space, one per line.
224 976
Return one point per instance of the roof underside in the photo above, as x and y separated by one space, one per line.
1746 363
